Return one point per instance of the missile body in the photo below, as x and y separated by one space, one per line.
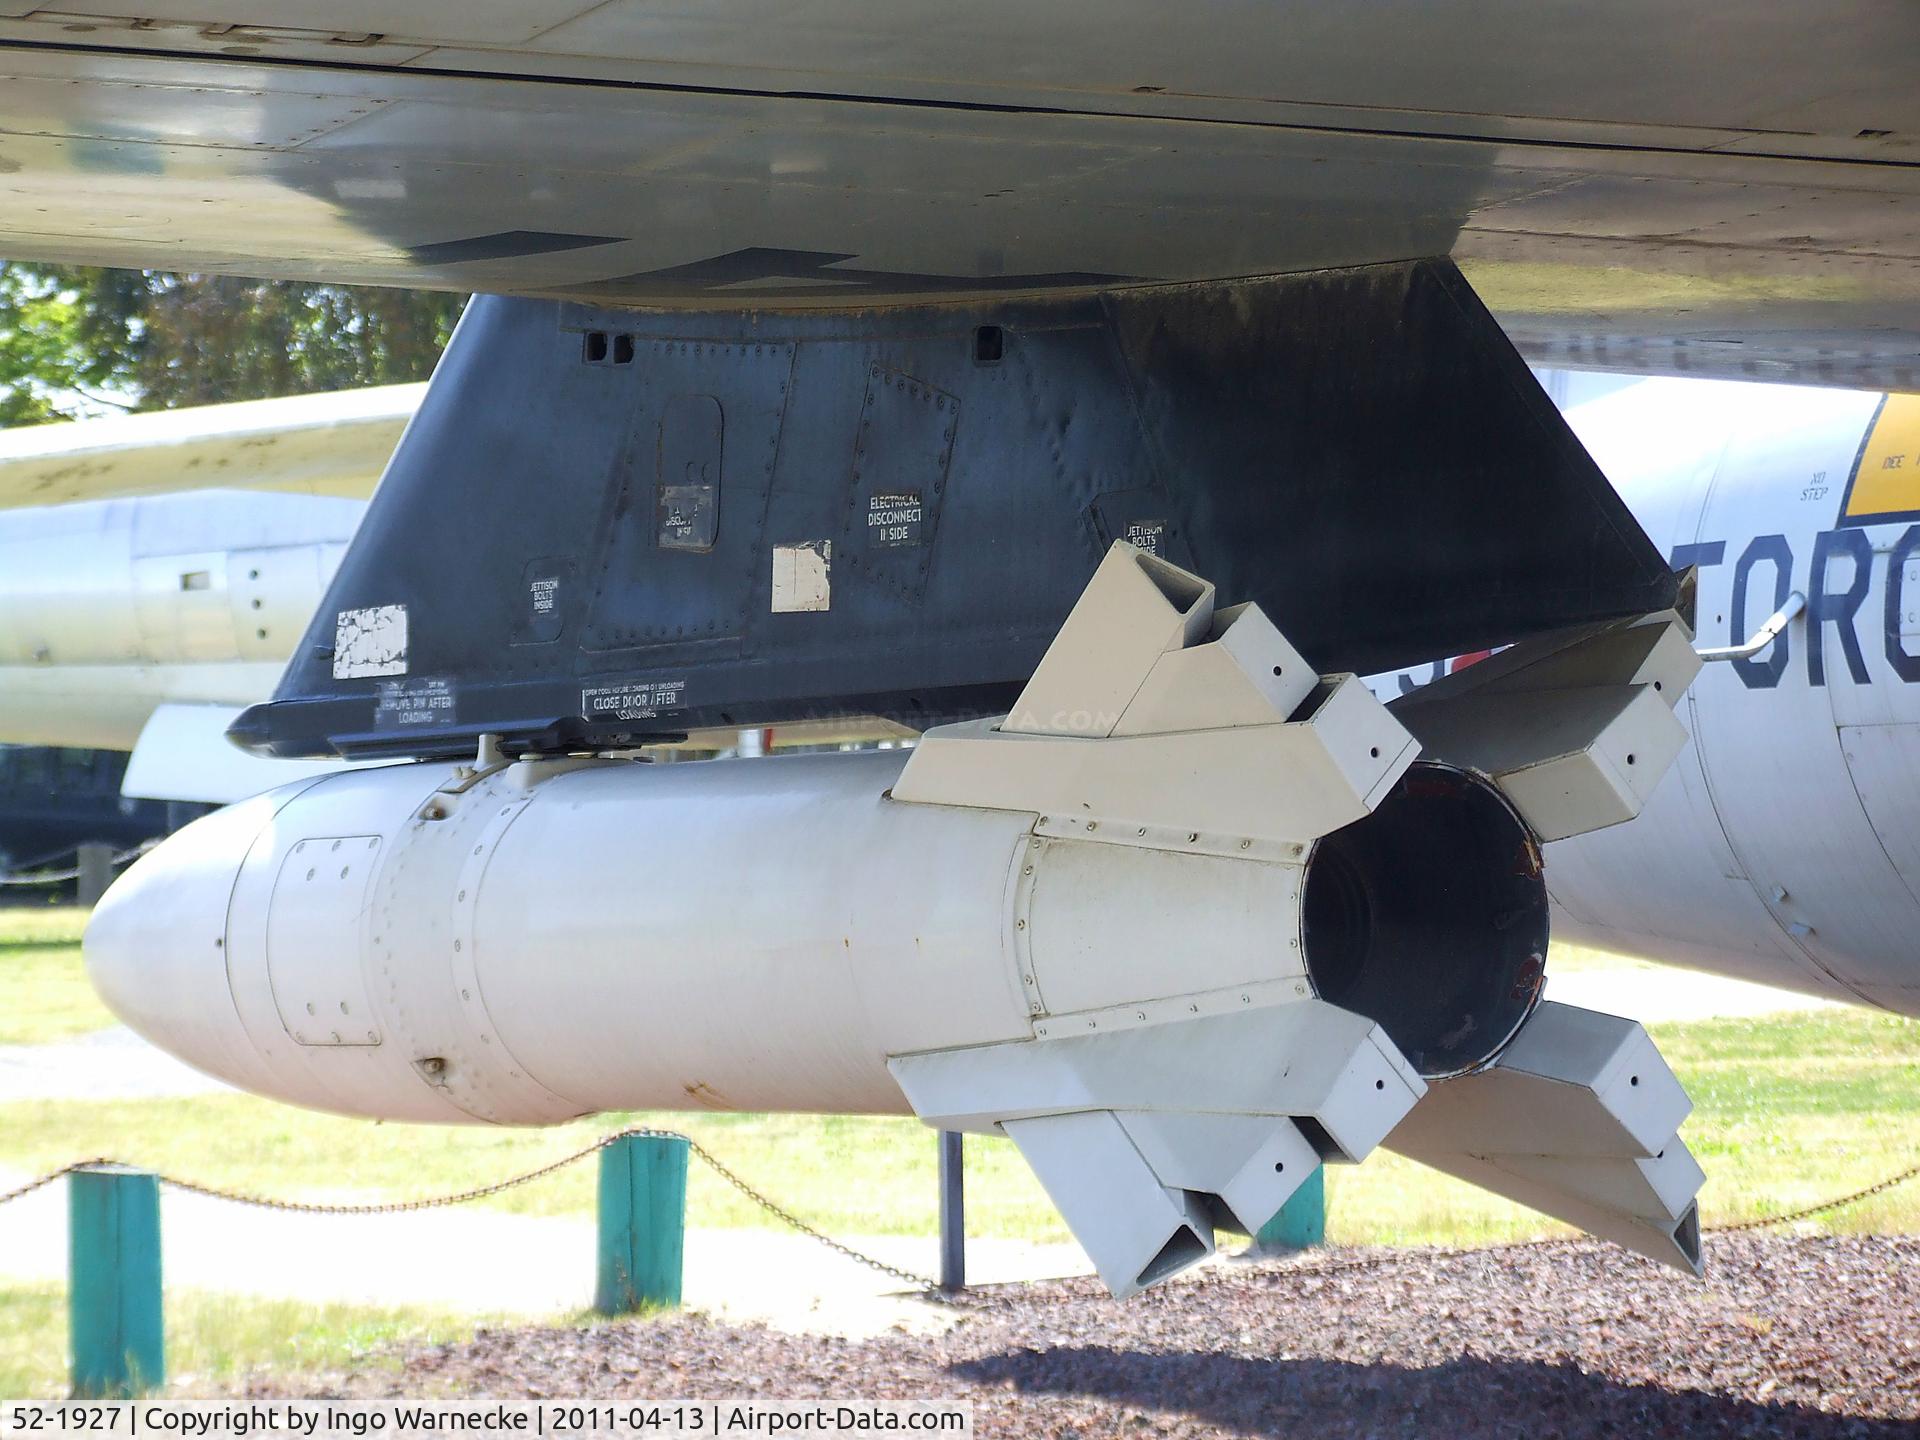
559 938
1187 923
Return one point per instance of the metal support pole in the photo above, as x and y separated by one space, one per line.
953 1213
96 873
1302 1221
643 1223
113 1283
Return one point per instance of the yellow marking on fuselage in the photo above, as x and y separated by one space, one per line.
1887 479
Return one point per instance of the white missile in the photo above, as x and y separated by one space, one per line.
1188 921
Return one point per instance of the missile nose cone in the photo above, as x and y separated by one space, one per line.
131 950
155 946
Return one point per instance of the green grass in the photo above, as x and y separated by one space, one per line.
44 994
215 1341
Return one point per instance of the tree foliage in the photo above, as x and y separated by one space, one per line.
74 342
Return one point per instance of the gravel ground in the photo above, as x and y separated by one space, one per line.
1795 1337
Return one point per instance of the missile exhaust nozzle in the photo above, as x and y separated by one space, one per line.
1430 917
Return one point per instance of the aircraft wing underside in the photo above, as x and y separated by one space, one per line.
1635 185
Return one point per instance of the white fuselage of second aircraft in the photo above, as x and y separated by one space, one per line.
112 608
1785 848
1785 845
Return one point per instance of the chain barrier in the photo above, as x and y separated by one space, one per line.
42 877
1811 1210
786 1217
512 1182
72 872
7 1197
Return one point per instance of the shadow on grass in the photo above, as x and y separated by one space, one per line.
1461 1398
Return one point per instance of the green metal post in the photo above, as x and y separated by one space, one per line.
1302 1221
643 1223
113 1283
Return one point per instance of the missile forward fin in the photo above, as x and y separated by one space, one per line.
1135 609
1309 1059
1575 728
1577 1119
1249 1164
1149 1137
1655 649
1152 711
1136 1229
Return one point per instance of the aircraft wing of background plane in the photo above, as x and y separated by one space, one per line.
332 444
1631 185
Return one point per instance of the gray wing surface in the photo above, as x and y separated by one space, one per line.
1635 185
